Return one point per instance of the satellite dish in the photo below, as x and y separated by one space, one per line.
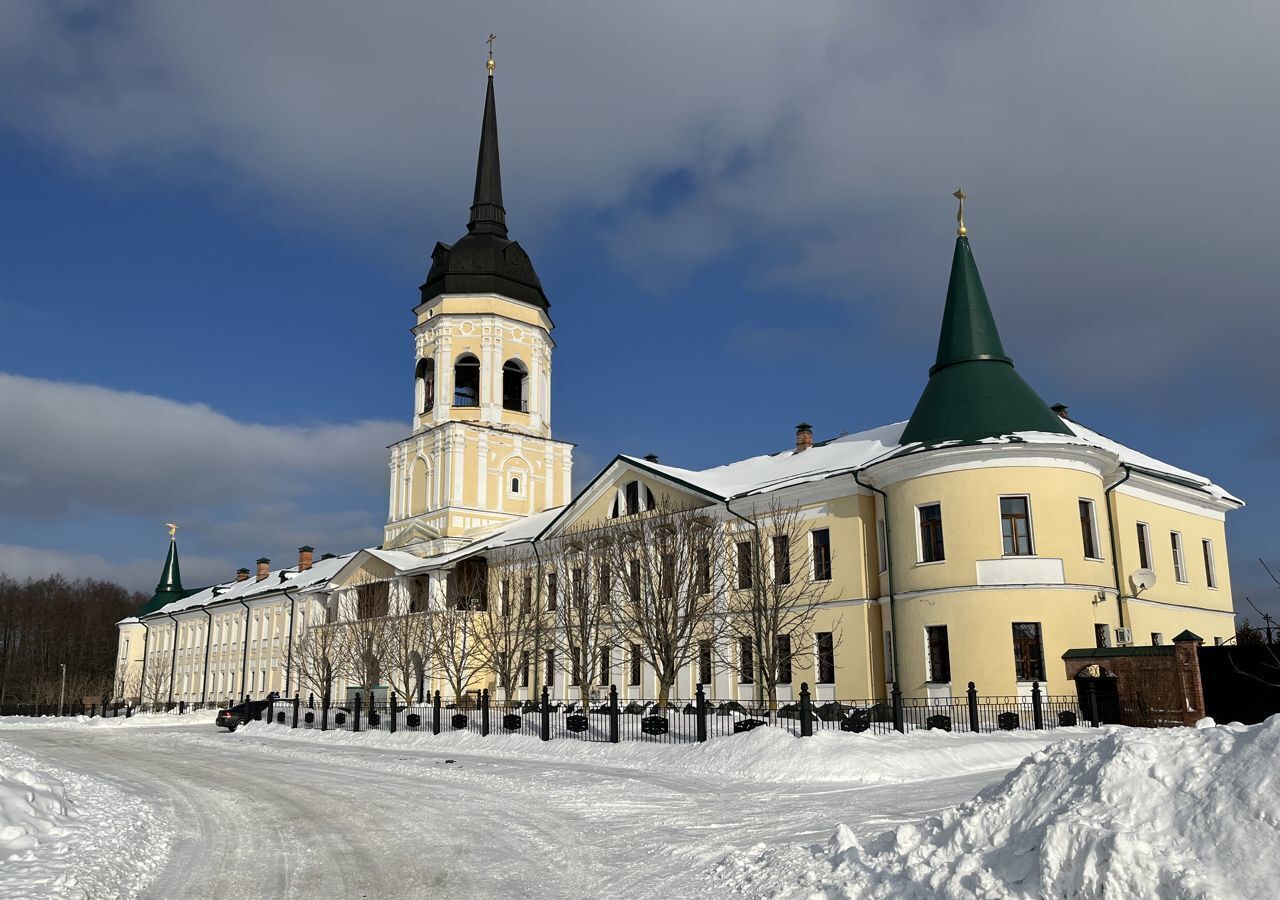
1142 580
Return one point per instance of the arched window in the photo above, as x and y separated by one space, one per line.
633 497
424 385
515 386
466 381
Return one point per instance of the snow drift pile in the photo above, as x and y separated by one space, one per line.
1139 813
35 819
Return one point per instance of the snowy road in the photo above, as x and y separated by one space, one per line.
256 816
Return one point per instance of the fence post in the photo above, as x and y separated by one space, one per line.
546 714
896 696
296 704
973 708
324 711
1037 709
271 711
613 713
806 711
355 719
1091 692
394 712
435 713
702 715
484 713
128 710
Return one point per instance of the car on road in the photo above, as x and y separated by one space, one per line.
233 717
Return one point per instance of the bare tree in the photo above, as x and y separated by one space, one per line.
774 596
669 571
507 626
155 681
583 614
453 629
407 645
316 656
362 646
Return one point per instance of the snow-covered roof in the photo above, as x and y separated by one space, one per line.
852 452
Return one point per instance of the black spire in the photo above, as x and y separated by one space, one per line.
487 214
485 260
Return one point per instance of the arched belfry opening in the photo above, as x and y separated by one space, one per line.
466 381
424 385
515 386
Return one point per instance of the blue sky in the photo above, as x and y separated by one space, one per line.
215 222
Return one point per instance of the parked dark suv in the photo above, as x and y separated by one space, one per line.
248 711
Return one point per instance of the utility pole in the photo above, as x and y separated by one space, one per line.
62 695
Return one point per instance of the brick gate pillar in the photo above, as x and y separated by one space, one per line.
1186 660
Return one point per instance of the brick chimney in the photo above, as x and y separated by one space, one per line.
242 574
304 558
264 568
804 437
1061 410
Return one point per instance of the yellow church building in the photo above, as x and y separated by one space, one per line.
976 541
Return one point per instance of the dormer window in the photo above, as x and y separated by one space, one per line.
466 381
633 497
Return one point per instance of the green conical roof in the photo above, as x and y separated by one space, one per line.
973 390
170 587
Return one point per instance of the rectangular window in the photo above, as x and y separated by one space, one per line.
1028 651
704 662
579 579
744 565
1157 638
553 589
930 518
1015 525
939 653
746 662
1089 530
1210 568
667 577
1179 564
703 563
604 582
524 668
781 559
1102 635
575 666
784 658
551 669
606 665
635 665
504 588
821 554
882 546
1144 546
526 596
633 581
826 657
373 600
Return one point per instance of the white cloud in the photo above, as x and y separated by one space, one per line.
21 562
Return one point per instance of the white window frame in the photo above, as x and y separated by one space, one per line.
920 537
882 548
1179 557
1093 525
813 556
1145 530
1031 526
1157 639
518 476
1210 563
928 653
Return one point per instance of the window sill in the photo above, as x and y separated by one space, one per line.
932 562
1019 555
1095 559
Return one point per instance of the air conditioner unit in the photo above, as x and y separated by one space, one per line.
1124 637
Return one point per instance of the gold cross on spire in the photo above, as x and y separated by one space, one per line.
492 38
173 530
961 196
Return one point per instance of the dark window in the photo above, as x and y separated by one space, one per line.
633 582
514 379
704 662
515 485
781 559
579 588
939 653
1015 524
667 578
1101 635
746 662
1087 529
1210 570
1144 546
635 665
931 549
524 668
1179 565
526 596
1157 638
604 582
821 554
419 594
703 563
427 375
632 492
553 587
466 381
1028 651
504 587
744 566
606 663
551 668
373 600
826 657
784 658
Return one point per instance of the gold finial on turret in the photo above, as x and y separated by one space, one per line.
960 229
173 530
492 38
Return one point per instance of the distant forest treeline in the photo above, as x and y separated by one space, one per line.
50 621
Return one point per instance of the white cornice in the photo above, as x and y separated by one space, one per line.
1090 460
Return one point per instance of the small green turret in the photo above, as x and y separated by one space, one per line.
169 588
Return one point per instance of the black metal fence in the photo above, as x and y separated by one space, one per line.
614 720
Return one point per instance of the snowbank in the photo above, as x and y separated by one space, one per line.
769 755
138 720
35 815
1176 813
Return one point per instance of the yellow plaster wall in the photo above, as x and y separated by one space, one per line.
1162 520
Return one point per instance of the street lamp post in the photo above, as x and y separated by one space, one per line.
62 694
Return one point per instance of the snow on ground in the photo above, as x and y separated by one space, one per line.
1172 813
65 834
765 755
138 720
